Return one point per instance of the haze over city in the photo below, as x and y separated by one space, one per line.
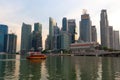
13 13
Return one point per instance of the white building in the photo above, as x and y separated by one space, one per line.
80 48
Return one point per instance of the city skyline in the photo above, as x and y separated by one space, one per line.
14 14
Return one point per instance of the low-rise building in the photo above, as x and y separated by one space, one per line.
81 48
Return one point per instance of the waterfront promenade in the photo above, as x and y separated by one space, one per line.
95 53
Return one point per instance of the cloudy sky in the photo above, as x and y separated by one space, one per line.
14 12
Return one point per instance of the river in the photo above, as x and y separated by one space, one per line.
16 67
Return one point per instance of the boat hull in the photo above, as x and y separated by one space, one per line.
36 57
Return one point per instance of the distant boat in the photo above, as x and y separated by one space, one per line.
36 55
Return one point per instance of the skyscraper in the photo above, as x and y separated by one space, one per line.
104 28
94 34
26 37
56 38
116 40
64 24
38 27
37 37
47 43
65 40
52 24
71 30
111 36
85 28
11 43
3 37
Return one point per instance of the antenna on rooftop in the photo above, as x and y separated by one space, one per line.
11 31
84 11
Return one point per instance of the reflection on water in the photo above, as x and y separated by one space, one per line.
16 67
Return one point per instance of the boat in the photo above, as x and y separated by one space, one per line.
36 55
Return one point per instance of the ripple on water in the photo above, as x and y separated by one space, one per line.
117 75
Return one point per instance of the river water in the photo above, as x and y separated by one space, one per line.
16 67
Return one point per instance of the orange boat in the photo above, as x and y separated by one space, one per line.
36 55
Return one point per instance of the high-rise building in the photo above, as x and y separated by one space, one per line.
111 36
37 37
64 24
71 30
94 34
38 27
3 37
104 28
47 43
11 43
26 37
56 38
116 40
85 28
65 40
52 24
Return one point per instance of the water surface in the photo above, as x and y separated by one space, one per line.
16 67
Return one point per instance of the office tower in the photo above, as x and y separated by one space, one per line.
11 43
94 34
26 37
111 36
104 28
3 37
47 43
71 30
37 37
64 24
65 40
116 40
85 28
56 38
38 27
52 24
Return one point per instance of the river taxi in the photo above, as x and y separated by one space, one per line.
36 55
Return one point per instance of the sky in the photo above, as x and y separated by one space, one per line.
14 12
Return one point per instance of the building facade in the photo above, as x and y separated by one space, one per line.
85 28
72 30
84 48
104 29
47 43
94 34
65 40
52 24
116 40
56 38
64 24
111 36
37 37
3 37
26 37
11 43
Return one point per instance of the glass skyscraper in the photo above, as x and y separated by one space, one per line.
116 44
3 37
94 34
85 28
111 36
52 24
104 28
11 43
71 30
65 40
64 24
26 37
37 37
56 38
